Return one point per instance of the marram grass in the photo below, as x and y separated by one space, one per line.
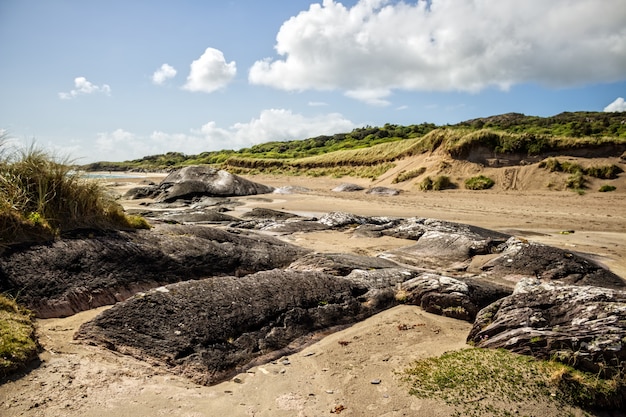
41 198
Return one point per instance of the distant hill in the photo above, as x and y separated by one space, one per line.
371 151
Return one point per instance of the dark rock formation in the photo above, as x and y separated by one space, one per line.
443 245
71 275
193 181
340 264
291 189
268 214
584 326
346 187
383 191
521 259
458 298
210 329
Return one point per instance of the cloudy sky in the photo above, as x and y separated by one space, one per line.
120 79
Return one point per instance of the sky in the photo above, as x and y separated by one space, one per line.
118 80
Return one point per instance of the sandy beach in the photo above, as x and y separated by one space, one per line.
335 374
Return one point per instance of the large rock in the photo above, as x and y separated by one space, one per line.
196 181
210 329
443 245
458 298
583 326
72 275
518 259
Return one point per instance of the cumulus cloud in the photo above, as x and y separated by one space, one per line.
270 125
210 72
164 73
82 86
618 105
377 46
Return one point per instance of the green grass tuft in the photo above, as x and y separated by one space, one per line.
479 183
40 198
475 381
607 188
18 345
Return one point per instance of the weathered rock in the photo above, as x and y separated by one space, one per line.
346 187
458 298
210 329
383 191
340 264
584 326
268 214
291 189
442 245
197 216
72 275
194 181
340 219
520 259
146 191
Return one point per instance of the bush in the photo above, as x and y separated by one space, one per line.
606 188
479 183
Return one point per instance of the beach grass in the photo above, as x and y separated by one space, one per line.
42 197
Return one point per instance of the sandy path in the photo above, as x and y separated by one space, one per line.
80 380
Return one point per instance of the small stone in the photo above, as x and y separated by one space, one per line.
330 391
376 381
285 362
237 380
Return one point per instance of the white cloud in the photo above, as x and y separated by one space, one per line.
377 46
317 103
618 105
210 72
82 86
164 73
270 125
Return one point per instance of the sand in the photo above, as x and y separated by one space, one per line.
333 375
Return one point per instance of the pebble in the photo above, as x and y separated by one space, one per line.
376 381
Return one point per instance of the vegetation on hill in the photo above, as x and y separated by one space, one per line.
369 146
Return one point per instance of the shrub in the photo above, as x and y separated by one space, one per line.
426 184
606 188
479 183
439 183
605 172
576 181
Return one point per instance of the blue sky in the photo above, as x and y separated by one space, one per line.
121 79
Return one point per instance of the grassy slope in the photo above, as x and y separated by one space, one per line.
503 134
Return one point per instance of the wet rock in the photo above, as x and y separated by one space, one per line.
72 275
194 181
584 326
210 330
